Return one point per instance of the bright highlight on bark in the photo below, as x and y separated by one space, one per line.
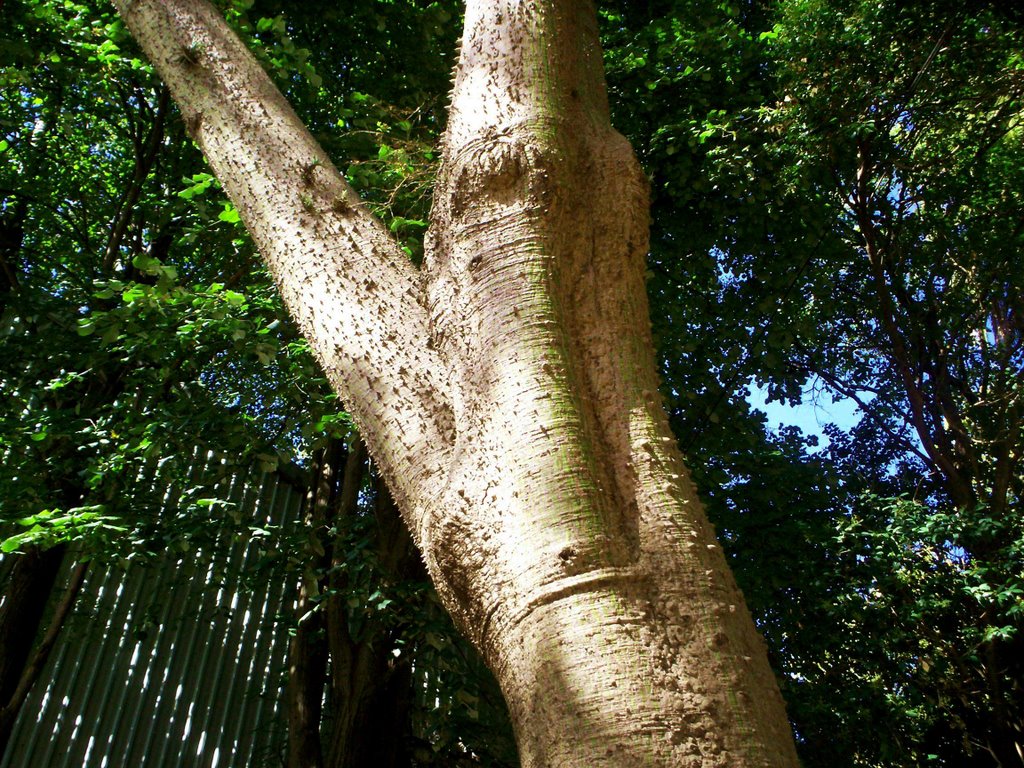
508 389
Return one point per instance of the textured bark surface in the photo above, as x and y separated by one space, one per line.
508 392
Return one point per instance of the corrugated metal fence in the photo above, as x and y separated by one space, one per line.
169 665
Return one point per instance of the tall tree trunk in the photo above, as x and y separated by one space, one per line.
570 544
27 594
508 393
307 670
370 689
307 651
381 729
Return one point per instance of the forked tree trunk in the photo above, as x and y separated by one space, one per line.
508 391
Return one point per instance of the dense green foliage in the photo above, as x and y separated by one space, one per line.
140 330
837 215
837 212
127 344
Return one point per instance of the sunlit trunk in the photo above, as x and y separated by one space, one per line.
569 543
508 391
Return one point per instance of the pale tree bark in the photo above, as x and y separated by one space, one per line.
508 390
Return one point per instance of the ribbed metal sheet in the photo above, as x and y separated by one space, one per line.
169 665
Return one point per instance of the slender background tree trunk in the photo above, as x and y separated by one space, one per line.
29 587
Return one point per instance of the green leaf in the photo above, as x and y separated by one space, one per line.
133 293
111 333
229 214
14 543
234 298
146 264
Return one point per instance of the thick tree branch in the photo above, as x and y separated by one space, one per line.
344 279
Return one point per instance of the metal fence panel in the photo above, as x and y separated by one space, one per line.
169 665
